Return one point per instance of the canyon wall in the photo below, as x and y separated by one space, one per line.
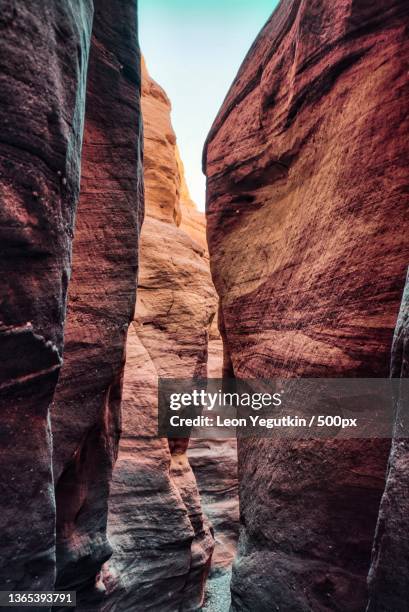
162 541
307 201
43 62
67 95
86 418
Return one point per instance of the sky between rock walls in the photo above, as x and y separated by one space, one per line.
193 49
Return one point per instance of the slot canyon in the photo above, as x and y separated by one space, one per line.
111 278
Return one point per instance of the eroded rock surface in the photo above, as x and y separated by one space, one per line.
43 59
307 210
214 463
162 540
86 410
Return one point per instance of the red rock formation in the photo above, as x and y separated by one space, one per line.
307 201
86 412
43 59
161 539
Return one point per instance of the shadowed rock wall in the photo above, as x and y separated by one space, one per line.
43 62
307 205
86 418
388 577
43 70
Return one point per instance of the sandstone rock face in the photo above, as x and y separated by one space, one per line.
43 60
162 541
86 410
214 463
388 577
306 201
192 221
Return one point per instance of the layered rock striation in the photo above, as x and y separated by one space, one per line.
307 200
162 541
214 463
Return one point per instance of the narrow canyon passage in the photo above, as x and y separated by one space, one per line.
158 524
133 537
111 278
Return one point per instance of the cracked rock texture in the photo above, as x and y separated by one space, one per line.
43 59
161 539
307 202
86 411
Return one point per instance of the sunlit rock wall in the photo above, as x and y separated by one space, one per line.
162 540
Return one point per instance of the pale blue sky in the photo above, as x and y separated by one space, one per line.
194 49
